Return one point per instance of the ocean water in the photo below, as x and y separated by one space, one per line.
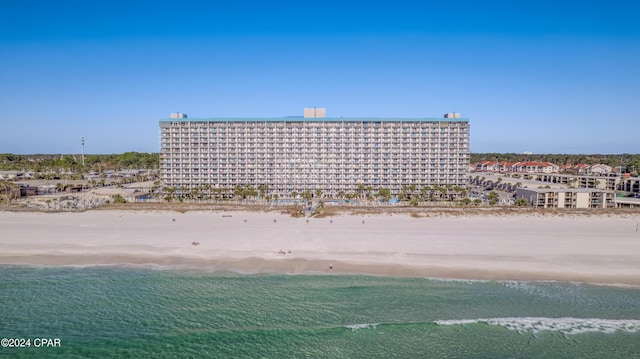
114 312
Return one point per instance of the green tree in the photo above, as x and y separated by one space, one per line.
427 193
307 195
413 201
118 199
385 193
263 189
493 198
361 190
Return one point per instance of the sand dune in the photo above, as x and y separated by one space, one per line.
594 249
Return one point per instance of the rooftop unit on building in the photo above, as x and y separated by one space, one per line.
314 112
178 115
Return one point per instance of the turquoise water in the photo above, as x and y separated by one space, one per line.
112 312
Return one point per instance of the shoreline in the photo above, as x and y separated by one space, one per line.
248 267
600 250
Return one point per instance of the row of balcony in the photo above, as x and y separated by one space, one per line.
262 137
285 172
317 132
315 179
340 126
301 143
288 147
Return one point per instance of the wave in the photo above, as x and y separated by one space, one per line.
355 327
566 325
457 280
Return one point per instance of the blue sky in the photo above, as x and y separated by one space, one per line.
541 76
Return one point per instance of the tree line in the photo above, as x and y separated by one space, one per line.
73 163
142 160
411 194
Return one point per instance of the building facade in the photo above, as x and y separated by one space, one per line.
313 152
567 197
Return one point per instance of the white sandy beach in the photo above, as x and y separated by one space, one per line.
580 248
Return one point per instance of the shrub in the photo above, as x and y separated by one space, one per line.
118 199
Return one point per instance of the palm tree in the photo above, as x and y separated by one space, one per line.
251 192
438 191
493 198
318 193
385 193
404 192
426 193
447 193
361 190
348 195
9 191
262 189
413 201
461 192
170 193
183 192
369 191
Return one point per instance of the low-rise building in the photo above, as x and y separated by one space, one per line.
567 197
493 166
580 168
535 167
524 167
600 169
630 184
627 202
11 175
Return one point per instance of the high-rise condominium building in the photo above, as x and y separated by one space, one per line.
314 152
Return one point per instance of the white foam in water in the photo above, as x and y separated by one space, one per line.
454 280
363 326
563 325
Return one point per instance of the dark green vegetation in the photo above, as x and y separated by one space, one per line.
140 160
73 163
